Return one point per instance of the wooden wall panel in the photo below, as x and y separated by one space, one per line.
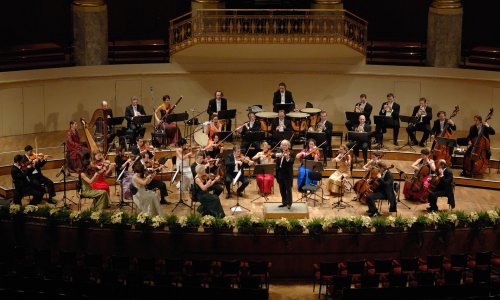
12 111
34 109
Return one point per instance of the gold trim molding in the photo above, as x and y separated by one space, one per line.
208 1
446 4
92 3
328 1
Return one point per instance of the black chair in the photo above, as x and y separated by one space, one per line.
433 264
398 280
311 189
425 279
228 274
481 276
326 272
261 270
370 281
338 286
453 276
173 269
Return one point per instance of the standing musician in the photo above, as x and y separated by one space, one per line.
389 109
376 157
443 189
210 203
217 188
438 127
282 96
75 150
171 130
264 181
155 183
280 124
343 160
37 161
183 154
327 127
132 111
361 126
384 190
251 126
362 107
284 173
22 184
310 152
487 130
217 104
234 164
418 185
423 112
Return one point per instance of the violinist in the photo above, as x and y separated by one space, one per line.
214 147
123 159
132 111
389 109
264 181
210 203
234 164
213 126
361 126
443 189
376 157
183 154
343 161
416 188
22 185
103 168
75 150
486 130
439 124
250 126
139 146
311 152
361 107
210 168
37 161
284 173
423 113
154 183
87 177
384 190
147 201
217 104
170 129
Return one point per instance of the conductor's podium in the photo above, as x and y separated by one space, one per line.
297 211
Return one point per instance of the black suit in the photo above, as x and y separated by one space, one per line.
364 146
473 134
277 135
284 176
384 190
423 124
156 184
436 130
23 186
444 189
367 112
37 179
246 142
382 129
212 108
231 174
288 99
134 129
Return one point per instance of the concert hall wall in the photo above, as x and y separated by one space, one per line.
45 100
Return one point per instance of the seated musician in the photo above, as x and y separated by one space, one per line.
363 107
122 160
423 113
472 138
264 181
87 176
139 146
443 189
217 104
251 126
376 157
384 190
214 147
210 203
310 152
155 183
389 109
132 111
75 150
170 129
361 126
108 113
282 96
438 127
183 154
22 186
147 201
343 161
279 125
37 161
416 188
213 126
211 168
103 168
327 127
235 163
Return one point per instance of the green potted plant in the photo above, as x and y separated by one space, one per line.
315 226
249 224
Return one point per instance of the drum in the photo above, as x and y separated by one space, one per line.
314 115
299 120
255 109
200 137
265 117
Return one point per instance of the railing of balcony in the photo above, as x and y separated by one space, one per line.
249 26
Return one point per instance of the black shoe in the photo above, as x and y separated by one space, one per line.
240 194
413 143
282 205
452 206
393 210
52 201
421 144
165 202
396 143
430 209
288 206
228 195
373 215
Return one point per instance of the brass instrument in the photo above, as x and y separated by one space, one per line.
360 128
357 108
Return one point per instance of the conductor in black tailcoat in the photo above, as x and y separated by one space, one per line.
284 173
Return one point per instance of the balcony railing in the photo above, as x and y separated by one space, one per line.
249 26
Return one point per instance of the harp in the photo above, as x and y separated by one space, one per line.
96 131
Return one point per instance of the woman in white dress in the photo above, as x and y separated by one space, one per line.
146 200
343 160
183 165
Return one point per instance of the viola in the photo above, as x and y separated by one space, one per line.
477 161
440 151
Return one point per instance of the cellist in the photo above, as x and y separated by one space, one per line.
439 125
443 189
415 188
384 190
486 130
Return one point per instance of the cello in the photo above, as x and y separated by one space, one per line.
371 183
417 180
441 151
477 161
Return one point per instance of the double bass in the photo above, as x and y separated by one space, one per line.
441 151
477 161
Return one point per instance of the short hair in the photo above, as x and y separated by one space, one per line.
425 151
377 153
362 96
166 97
281 110
286 142
199 154
423 99
181 142
323 112
264 143
236 147
442 162
282 84
71 122
218 91
478 117
138 168
390 95
441 112
28 148
214 115
139 137
134 98
143 154
18 158
250 113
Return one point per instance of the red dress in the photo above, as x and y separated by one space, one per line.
100 184
74 151
265 182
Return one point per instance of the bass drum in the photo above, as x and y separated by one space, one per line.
299 120
200 137
314 115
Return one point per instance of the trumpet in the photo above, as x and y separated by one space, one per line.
357 107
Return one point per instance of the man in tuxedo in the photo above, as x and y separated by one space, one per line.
280 125
438 127
361 126
423 113
132 111
363 107
36 177
22 184
389 109
443 189
217 104
327 127
155 183
250 126
234 164
384 190
108 113
473 134
282 96
284 173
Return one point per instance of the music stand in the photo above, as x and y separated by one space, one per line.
226 115
409 120
225 136
353 117
140 120
383 122
287 107
264 169
359 137
283 135
446 142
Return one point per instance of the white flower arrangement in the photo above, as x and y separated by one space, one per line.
230 221
473 217
304 223
75 215
117 218
14 209
95 216
158 221
327 223
142 218
30 209
391 221
53 211
493 215
283 222
182 221
410 221
432 218
452 218
254 220
366 221
207 220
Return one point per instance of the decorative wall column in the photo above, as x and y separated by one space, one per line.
90 32
327 4
444 33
